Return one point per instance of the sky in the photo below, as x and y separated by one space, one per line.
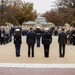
41 6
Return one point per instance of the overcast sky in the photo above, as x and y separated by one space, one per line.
42 6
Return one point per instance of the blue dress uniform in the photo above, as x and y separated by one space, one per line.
55 32
38 35
30 40
46 41
25 32
11 33
17 42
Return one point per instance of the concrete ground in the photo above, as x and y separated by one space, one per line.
31 71
7 54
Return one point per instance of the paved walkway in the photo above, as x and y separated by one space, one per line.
24 71
7 54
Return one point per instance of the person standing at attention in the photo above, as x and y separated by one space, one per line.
30 40
46 41
38 36
17 41
62 39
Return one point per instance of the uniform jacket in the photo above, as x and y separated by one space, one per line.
17 39
46 38
38 33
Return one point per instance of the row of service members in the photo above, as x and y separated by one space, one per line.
46 41
38 33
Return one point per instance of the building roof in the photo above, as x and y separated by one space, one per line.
30 23
44 23
40 20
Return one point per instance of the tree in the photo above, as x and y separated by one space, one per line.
17 12
66 4
24 13
6 11
66 9
28 11
53 16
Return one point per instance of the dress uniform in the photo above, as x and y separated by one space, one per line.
62 39
38 35
30 40
55 32
17 42
46 41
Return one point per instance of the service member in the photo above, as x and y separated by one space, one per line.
46 41
17 41
38 35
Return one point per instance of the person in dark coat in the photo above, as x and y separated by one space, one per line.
73 35
2 35
68 32
17 42
46 41
55 32
30 40
62 39
38 35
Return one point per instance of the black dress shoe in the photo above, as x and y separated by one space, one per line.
32 56
18 55
28 55
61 56
46 56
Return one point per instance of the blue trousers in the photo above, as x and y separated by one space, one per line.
11 37
38 42
17 47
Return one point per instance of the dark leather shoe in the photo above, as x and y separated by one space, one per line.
32 56
18 55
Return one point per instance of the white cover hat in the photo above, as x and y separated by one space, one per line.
46 28
38 26
17 30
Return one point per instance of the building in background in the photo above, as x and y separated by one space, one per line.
40 21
